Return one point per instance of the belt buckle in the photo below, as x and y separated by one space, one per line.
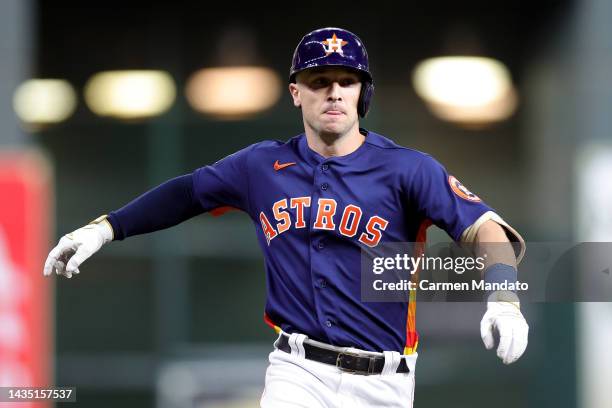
371 361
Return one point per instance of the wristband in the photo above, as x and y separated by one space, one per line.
500 273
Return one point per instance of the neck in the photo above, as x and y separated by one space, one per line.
330 145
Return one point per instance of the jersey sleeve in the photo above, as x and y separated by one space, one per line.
224 183
441 198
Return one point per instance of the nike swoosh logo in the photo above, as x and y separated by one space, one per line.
278 166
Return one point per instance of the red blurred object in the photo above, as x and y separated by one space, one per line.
26 337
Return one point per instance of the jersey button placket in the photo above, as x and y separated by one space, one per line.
319 264
315 237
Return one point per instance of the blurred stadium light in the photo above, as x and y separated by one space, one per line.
466 90
134 94
233 92
40 102
237 83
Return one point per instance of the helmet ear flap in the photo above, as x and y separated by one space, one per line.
363 105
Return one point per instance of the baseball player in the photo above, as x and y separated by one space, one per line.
317 200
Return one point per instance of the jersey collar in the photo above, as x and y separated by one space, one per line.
313 158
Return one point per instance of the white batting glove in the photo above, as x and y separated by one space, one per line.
504 315
74 248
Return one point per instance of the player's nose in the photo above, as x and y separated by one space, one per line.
334 92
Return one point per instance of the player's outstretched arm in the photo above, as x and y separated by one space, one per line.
74 248
503 307
162 207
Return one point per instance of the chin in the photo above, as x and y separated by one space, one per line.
330 128
338 125
333 130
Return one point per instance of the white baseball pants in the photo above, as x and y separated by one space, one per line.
293 381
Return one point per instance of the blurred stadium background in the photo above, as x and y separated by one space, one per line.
100 101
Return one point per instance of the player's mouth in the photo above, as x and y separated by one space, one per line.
334 112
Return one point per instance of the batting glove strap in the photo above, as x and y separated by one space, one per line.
504 296
106 228
506 318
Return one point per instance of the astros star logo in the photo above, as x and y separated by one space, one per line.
334 44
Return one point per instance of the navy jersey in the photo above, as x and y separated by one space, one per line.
313 215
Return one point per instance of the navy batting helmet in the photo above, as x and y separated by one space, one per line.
333 46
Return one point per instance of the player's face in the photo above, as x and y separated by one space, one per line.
328 98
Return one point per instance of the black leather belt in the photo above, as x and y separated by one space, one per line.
346 361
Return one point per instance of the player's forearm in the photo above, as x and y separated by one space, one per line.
491 240
164 206
492 244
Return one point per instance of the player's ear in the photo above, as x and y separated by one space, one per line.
295 94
